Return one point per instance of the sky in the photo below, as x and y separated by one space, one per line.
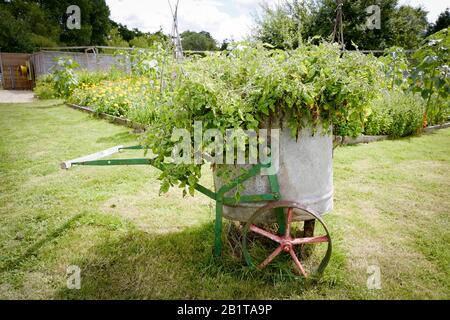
224 19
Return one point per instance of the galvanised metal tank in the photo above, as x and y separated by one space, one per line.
305 175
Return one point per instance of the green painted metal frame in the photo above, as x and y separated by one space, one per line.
218 196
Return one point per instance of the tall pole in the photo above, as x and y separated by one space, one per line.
176 39
338 31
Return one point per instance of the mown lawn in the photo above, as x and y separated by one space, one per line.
392 207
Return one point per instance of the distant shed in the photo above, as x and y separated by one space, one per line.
17 73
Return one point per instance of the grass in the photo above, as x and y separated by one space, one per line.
391 210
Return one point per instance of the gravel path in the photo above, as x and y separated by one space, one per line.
16 96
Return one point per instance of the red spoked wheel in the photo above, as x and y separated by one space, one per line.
286 242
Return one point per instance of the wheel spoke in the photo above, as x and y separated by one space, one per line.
297 262
288 222
317 239
271 257
265 233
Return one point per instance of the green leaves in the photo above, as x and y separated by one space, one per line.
63 77
396 113
307 98
395 66
165 185
249 85
431 77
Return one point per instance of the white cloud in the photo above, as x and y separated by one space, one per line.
235 28
247 2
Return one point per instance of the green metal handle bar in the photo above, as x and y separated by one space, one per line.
219 196
209 193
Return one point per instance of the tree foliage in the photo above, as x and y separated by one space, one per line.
408 26
286 24
198 41
115 39
95 23
26 25
122 36
442 22
148 40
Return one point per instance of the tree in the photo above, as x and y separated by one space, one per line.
26 25
198 41
115 39
99 20
121 36
293 21
148 40
126 33
14 36
402 26
285 24
408 27
225 44
442 22
95 24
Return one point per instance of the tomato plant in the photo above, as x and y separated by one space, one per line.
250 85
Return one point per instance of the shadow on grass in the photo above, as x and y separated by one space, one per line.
51 106
45 104
175 266
33 250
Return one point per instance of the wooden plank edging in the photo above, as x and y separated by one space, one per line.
117 120
358 140
439 126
